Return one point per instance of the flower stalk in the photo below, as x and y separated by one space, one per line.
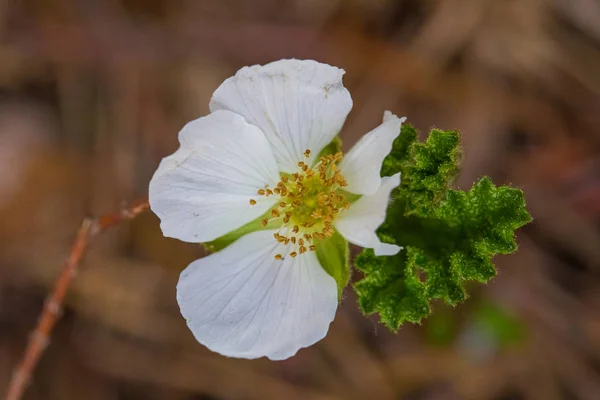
40 338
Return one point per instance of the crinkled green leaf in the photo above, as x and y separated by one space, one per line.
448 236
391 288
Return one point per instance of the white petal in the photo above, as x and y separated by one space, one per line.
299 105
243 303
359 223
202 191
362 165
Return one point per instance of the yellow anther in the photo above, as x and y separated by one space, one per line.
261 192
252 202
264 222
307 153
269 192
313 199
278 257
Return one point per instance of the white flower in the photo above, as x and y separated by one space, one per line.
256 158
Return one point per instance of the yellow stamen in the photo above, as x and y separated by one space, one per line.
309 201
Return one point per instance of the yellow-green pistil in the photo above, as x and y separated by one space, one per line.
309 200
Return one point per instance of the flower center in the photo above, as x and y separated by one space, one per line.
309 200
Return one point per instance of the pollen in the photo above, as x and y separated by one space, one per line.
308 201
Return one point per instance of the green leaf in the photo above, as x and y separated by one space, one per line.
449 237
503 327
333 255
391 288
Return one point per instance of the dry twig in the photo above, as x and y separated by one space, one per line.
50 313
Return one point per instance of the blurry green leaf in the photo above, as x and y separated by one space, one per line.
503 327
442 328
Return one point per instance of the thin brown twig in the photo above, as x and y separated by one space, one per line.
40 337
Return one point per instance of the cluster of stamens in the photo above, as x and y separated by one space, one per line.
309 200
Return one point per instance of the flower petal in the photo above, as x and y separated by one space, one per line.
299 105
359 223
241 302
362 165
202 191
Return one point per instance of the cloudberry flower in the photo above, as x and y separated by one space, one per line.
257 161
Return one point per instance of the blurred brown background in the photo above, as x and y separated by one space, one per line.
93 92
